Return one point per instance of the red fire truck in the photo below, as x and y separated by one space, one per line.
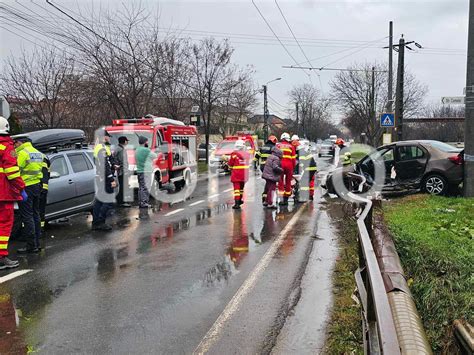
174 143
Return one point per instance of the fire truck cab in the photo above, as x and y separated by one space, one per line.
174 143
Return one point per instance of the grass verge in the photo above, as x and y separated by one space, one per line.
344 334
434 237
202 167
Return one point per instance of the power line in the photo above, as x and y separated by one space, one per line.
274 33
296 39
330 69
277 103
348 55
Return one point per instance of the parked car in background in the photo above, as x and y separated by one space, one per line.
327 148
431 166
71 184
202 150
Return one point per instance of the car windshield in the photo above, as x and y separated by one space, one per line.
444 147
131 136
327 142
226 145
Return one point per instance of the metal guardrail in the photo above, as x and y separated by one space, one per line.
391 324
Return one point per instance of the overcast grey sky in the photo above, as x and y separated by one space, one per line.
323 28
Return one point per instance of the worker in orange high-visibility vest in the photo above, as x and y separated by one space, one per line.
239 164
11 190
288 162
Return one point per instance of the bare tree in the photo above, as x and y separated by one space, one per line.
314 117
235 107
39 80
213 76
361 97
173 84
124 58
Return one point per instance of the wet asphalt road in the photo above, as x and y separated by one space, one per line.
158 286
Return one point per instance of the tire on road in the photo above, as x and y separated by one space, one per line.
435 184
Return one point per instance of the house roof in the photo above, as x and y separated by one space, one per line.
272 119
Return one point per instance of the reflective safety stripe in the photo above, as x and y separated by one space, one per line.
264 155
45 187
312 168
4 239
43 223
13 176
286 149
306 188
31 172
3 147
3 246
240 167
287 156
11 169
240 249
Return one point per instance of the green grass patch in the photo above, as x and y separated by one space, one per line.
202 167
434 237
358 151
344 335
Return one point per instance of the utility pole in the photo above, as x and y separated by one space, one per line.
399 90
390 67
297 117
372 102
469 119
400 48
372 105
265 114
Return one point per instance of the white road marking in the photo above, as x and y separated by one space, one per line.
196 203
13 275
233 306
174 212
228 190
212 196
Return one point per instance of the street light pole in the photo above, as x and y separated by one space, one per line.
469 116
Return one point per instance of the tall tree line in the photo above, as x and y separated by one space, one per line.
123 65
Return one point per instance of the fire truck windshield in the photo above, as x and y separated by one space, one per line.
131 136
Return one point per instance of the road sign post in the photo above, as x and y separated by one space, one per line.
387 119
386 138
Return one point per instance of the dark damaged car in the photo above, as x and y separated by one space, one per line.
427 165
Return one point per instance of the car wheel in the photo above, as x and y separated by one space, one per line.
435 185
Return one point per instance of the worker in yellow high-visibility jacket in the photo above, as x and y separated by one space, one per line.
30 162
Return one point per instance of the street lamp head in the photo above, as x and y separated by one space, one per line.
271 81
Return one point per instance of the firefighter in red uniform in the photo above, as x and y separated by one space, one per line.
239 164
288 163
11 190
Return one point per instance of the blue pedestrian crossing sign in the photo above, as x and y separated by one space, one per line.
387 120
